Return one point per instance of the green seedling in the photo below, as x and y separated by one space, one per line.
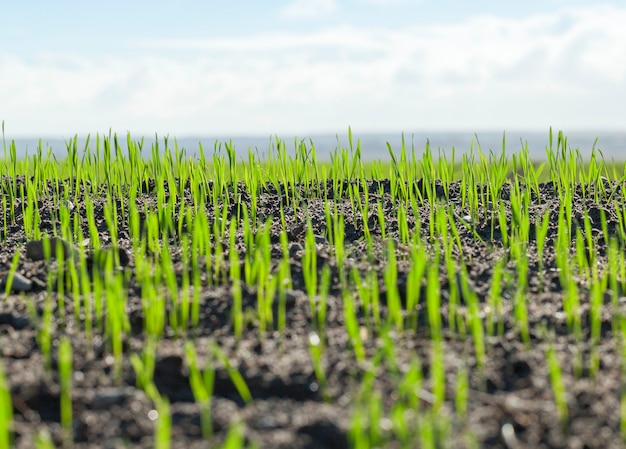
6 413
558 386
202 387
65 379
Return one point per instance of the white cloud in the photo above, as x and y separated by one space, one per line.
561 69
308 9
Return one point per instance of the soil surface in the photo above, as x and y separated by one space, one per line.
511 401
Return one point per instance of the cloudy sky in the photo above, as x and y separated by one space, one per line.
297 67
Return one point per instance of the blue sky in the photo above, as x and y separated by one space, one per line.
300 67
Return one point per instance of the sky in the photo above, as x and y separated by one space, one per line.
306 67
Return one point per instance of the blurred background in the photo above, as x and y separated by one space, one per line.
450 72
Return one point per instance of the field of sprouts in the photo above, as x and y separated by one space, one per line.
287 299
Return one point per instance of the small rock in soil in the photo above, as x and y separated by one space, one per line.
19 282
99 258
17 322
35 248
291 296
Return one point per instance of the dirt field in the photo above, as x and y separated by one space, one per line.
511 401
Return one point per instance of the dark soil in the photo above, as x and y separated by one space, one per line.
511 402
